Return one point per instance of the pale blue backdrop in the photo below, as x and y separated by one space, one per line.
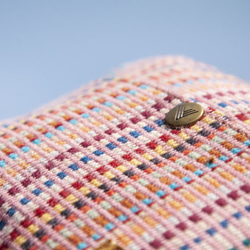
49 48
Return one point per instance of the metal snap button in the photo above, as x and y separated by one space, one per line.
109 245
184 114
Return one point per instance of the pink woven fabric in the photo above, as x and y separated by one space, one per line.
100 164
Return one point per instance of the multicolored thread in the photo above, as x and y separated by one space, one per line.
102 165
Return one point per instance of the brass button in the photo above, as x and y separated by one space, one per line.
184 114
109 245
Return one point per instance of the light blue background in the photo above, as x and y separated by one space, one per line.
49 48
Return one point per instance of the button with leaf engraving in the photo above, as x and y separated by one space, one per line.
184 114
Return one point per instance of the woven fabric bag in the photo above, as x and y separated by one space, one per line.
99 169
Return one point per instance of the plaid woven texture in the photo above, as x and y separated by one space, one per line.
102 165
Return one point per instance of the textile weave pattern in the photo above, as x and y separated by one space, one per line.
101 164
